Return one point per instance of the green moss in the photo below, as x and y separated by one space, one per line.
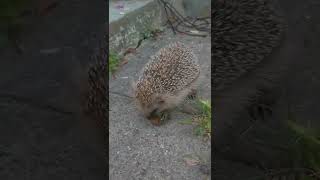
114 62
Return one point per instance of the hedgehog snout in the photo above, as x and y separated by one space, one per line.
155 112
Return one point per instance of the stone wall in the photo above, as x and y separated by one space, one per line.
127 30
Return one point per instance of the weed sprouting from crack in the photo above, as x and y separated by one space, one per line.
201 120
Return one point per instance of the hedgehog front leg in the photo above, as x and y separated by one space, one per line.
159 120
192 94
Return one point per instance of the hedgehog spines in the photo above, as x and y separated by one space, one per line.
169 72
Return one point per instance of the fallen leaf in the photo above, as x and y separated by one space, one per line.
155 120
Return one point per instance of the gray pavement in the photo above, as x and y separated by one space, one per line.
139 150
118 9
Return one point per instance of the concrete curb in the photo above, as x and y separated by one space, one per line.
126 31
127 24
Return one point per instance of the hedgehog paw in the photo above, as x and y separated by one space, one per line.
192 94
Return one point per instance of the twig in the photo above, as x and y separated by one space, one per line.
185 21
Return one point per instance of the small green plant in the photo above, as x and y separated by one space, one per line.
202 120
306 146
113 62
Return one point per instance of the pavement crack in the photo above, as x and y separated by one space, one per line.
121 94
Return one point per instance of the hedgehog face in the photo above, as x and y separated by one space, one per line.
148 101
154 108
158 105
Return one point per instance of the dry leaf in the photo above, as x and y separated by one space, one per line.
123 62
129 50
155 120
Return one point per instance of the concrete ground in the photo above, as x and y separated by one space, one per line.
139 150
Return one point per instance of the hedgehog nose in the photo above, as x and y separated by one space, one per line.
152 114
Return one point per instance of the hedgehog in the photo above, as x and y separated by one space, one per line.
86 94
87 86
247 74
96 101
244 33
166 80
